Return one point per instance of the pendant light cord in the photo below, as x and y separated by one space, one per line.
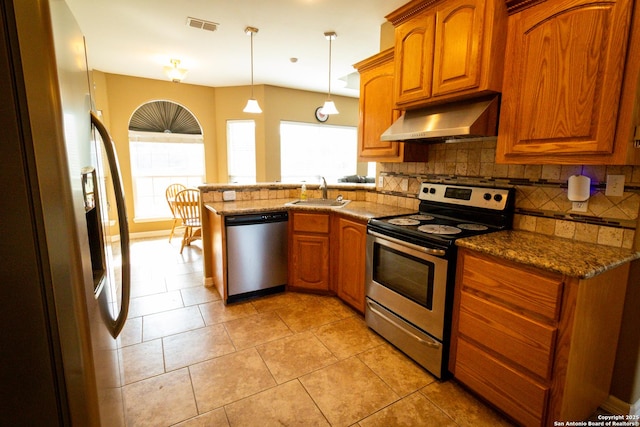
329 93
252 64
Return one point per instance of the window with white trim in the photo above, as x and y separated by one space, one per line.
241 151
158 160
309 151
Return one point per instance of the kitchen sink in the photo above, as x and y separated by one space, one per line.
330 203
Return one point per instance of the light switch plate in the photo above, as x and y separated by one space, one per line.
229 195
615 186
404 185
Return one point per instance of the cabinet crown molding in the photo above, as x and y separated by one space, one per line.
515 6
375 60
408 10
416 6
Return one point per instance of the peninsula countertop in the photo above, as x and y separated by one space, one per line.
356 209
550 253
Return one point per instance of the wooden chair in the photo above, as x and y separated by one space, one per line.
187 204
170 194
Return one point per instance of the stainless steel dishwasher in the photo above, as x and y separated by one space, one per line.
256 254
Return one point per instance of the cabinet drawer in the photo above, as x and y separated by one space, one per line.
527 343
536 294
310 222
514 393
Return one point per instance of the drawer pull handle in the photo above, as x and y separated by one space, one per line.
431 251
430 343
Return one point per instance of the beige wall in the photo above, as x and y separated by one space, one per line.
118 97
387 35
277 104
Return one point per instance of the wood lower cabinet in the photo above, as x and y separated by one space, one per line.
571 81
327 254
539 346
309 251
348 249
377 113
447 50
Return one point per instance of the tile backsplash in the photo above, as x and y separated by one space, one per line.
541 191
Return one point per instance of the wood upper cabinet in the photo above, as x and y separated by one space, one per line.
563 80
449 50
348 242
523 338
456 60
376 107
309 250
414 58
377 112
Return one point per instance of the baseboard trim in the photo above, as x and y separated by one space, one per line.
148 234
635 408
616 406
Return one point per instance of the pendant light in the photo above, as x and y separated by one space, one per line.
329 107
252 104
174 73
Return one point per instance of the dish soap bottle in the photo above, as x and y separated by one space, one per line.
303 192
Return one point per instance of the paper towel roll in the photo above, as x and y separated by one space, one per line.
579 188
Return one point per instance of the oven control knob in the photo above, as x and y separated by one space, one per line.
497 197
432 190
425 190
487 196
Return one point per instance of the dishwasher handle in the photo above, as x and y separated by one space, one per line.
261 218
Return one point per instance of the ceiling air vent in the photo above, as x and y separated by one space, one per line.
201 24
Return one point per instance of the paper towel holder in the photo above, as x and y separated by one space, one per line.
579 188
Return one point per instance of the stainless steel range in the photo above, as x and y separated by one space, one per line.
411 266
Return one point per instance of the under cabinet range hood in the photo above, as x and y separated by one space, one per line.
460 120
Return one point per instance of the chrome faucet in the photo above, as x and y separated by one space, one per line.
323 187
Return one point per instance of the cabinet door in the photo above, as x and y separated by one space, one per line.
458 46
377 113
562 82
309 267
414 41
350 246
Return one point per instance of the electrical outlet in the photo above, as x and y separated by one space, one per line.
615 186
380 181
404 185
580 206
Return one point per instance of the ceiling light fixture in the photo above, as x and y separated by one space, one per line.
329 107
174 73
252 104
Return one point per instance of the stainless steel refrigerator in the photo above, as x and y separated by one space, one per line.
64 267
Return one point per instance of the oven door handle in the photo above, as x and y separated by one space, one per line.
430 343
430 251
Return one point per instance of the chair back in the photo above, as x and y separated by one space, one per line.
187 204
170 194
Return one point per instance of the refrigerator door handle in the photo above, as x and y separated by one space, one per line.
110 152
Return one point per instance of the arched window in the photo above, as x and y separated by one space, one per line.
166 147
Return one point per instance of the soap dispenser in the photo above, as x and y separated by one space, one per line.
303 192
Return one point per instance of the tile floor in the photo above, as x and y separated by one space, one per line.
288 359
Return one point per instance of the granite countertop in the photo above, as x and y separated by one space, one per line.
356 209
555 254
281 185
